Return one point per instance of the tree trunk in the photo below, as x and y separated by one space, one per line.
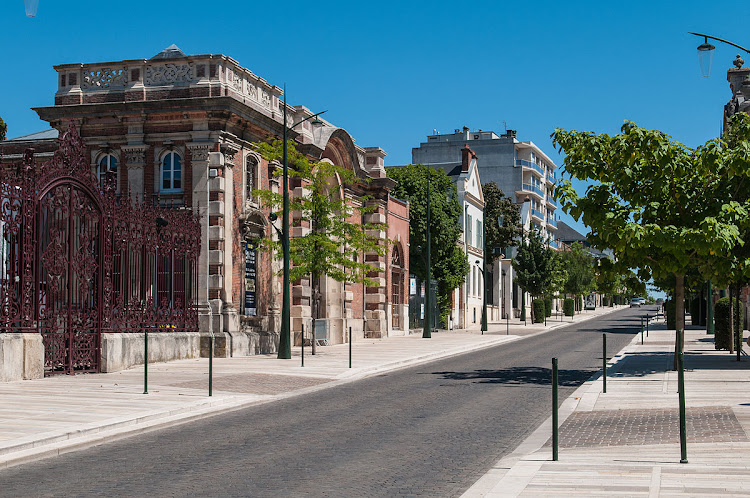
315 301
679 315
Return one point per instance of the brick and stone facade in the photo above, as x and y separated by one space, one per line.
201 115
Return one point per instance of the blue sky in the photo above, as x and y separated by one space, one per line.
392 72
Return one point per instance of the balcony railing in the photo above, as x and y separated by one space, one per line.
529 164
552 222
551 176
536 213
553 243
533 188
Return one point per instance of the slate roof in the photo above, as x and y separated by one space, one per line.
50 134
171 52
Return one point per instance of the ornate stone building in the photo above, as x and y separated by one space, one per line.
179 130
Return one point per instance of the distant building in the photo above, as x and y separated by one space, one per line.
521 169
523 172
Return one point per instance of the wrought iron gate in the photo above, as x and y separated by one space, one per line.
78 260
69 259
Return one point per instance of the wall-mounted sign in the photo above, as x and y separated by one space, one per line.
413 286
251 255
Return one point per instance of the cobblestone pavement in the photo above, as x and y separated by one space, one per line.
429 430
650 426
625 442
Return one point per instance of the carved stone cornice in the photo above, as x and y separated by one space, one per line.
135 155
229 151
199 151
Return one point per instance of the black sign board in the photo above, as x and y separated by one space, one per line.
251 255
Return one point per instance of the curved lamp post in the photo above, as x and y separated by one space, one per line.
706 52
705 58
285 345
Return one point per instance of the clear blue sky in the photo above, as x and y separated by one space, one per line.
392 72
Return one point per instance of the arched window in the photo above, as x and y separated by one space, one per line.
251 166
171 173
107 169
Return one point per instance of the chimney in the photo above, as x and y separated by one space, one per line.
510 134
466 156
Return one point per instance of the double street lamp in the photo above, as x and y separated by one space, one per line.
285 345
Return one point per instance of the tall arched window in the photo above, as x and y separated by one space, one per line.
251 166
171 173
396 287
107 169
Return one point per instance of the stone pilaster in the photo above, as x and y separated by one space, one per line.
209 312
135 160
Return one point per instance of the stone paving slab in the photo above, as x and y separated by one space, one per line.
626 442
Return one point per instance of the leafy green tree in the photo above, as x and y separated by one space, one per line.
580 268
558 274
608 278
654 201
449 264
3 129
333 243
497 236
532 266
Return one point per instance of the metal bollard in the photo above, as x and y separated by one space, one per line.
303 344
554 411
211 366
681 386
648 318
145 361
350 347
604 362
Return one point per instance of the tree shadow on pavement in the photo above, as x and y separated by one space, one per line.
520 376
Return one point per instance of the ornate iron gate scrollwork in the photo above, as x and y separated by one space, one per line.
76 260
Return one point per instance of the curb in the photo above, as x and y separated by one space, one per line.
93 435
517 481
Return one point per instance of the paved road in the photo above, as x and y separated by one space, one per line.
431 430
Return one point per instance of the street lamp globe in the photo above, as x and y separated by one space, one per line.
705 57
31 6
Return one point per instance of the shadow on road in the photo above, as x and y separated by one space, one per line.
520 376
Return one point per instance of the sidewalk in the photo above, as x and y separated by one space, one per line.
626 442
51 416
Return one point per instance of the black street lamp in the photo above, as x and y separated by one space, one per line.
427 332
706 52
285 345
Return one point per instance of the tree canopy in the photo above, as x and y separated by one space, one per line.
579 266
656 203
333 245
449 263
500 236
532 265
3 129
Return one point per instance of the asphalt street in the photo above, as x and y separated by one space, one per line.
429 430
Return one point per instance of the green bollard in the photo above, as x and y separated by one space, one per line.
681 386
604 362
211 366
303 344
555 439
145 361
350 347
